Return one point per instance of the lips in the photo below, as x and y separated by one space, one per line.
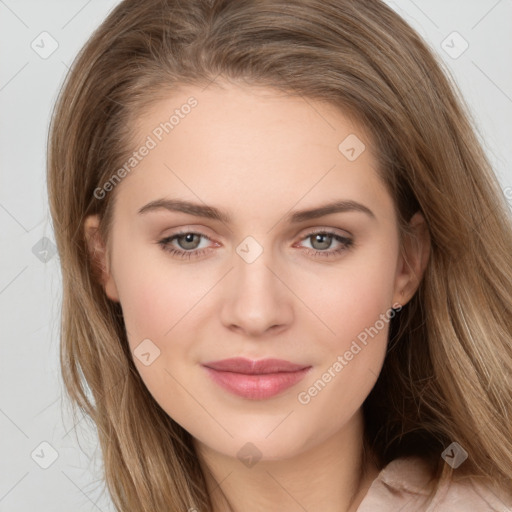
255 380
249 367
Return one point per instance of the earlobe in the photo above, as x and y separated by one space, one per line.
99 256
413 260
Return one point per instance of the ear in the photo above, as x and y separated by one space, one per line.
413 259
99 256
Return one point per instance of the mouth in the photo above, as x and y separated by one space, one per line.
255 380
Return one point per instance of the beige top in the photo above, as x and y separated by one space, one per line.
401 486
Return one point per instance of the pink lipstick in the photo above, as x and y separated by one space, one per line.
255 380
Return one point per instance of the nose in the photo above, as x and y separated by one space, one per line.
255 300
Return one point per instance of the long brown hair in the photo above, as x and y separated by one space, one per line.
447 373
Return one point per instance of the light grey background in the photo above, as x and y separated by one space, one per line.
31 411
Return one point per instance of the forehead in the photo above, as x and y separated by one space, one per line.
251 116
250 147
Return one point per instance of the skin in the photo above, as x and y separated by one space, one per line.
259 155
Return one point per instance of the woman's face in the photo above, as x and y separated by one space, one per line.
254 225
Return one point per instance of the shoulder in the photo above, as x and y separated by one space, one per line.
404 485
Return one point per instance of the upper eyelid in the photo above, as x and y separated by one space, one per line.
310 231
334 231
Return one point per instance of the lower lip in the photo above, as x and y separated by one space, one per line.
256 387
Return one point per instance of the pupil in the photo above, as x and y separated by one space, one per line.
324 240
189 241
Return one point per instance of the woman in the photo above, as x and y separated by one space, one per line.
286 263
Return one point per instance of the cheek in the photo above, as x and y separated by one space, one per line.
351 297
356 308
160 304
155 295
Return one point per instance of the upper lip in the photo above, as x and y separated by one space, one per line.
252 367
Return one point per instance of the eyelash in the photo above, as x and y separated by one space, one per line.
346 243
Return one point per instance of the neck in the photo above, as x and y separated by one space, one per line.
333 476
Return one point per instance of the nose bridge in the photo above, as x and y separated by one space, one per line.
255 275
256 299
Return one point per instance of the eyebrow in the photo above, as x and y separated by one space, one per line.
210 212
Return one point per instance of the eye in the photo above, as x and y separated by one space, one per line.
188 240
322 241
186 244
